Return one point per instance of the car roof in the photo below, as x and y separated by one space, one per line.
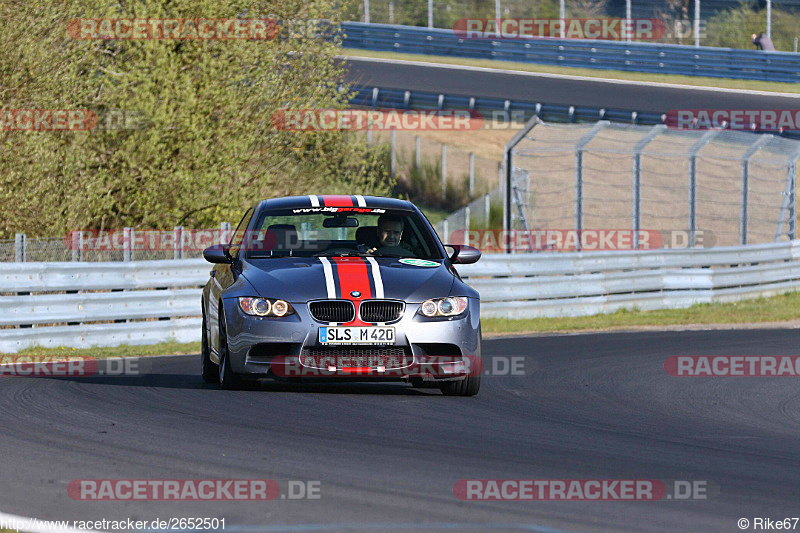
328 200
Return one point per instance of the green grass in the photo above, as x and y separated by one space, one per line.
774 309
753 85
125 350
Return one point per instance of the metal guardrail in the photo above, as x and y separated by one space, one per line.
635 57
586 283
157 301
388 98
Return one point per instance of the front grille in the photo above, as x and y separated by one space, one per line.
380 310
332 310
390 357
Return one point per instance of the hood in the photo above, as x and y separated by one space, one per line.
299 279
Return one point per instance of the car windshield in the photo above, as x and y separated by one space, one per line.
308 232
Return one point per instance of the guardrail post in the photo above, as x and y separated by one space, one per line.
471 175
127 244
430 13
467 214
444 171
487 208
366 11
20 247
446 231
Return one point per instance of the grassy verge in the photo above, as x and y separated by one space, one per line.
126 350
725 83
781 308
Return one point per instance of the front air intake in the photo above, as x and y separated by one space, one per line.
332 310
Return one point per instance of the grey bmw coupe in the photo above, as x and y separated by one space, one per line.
340 288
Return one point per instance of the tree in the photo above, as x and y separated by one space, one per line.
198 144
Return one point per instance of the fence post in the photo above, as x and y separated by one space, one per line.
366 11
466 224
77 245
224 229
177 236
446 231
444 171
394 153
487 206
19 247
471 175
705 139
579 147
637 179
127 244
745 164
417 152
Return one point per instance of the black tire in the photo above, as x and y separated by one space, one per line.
227 378
209 370
470 385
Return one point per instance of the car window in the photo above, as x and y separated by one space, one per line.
238 235
338 231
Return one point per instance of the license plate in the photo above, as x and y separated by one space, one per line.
356 335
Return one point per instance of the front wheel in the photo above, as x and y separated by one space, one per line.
209 371
227 378
468 386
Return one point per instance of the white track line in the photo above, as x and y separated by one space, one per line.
569 77
35 525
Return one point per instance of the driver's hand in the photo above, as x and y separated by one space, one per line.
372 250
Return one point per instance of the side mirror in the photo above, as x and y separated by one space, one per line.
218 254
463 254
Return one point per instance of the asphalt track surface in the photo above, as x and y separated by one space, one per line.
594 406
548 89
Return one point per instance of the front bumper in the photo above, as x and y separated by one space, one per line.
426 349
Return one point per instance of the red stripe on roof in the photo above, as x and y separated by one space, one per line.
334 200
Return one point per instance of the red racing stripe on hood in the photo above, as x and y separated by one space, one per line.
353 275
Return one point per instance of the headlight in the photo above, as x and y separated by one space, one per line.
450 306
264 307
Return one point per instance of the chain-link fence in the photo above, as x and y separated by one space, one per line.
435 173
127 244
730 187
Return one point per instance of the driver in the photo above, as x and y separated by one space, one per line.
390 231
